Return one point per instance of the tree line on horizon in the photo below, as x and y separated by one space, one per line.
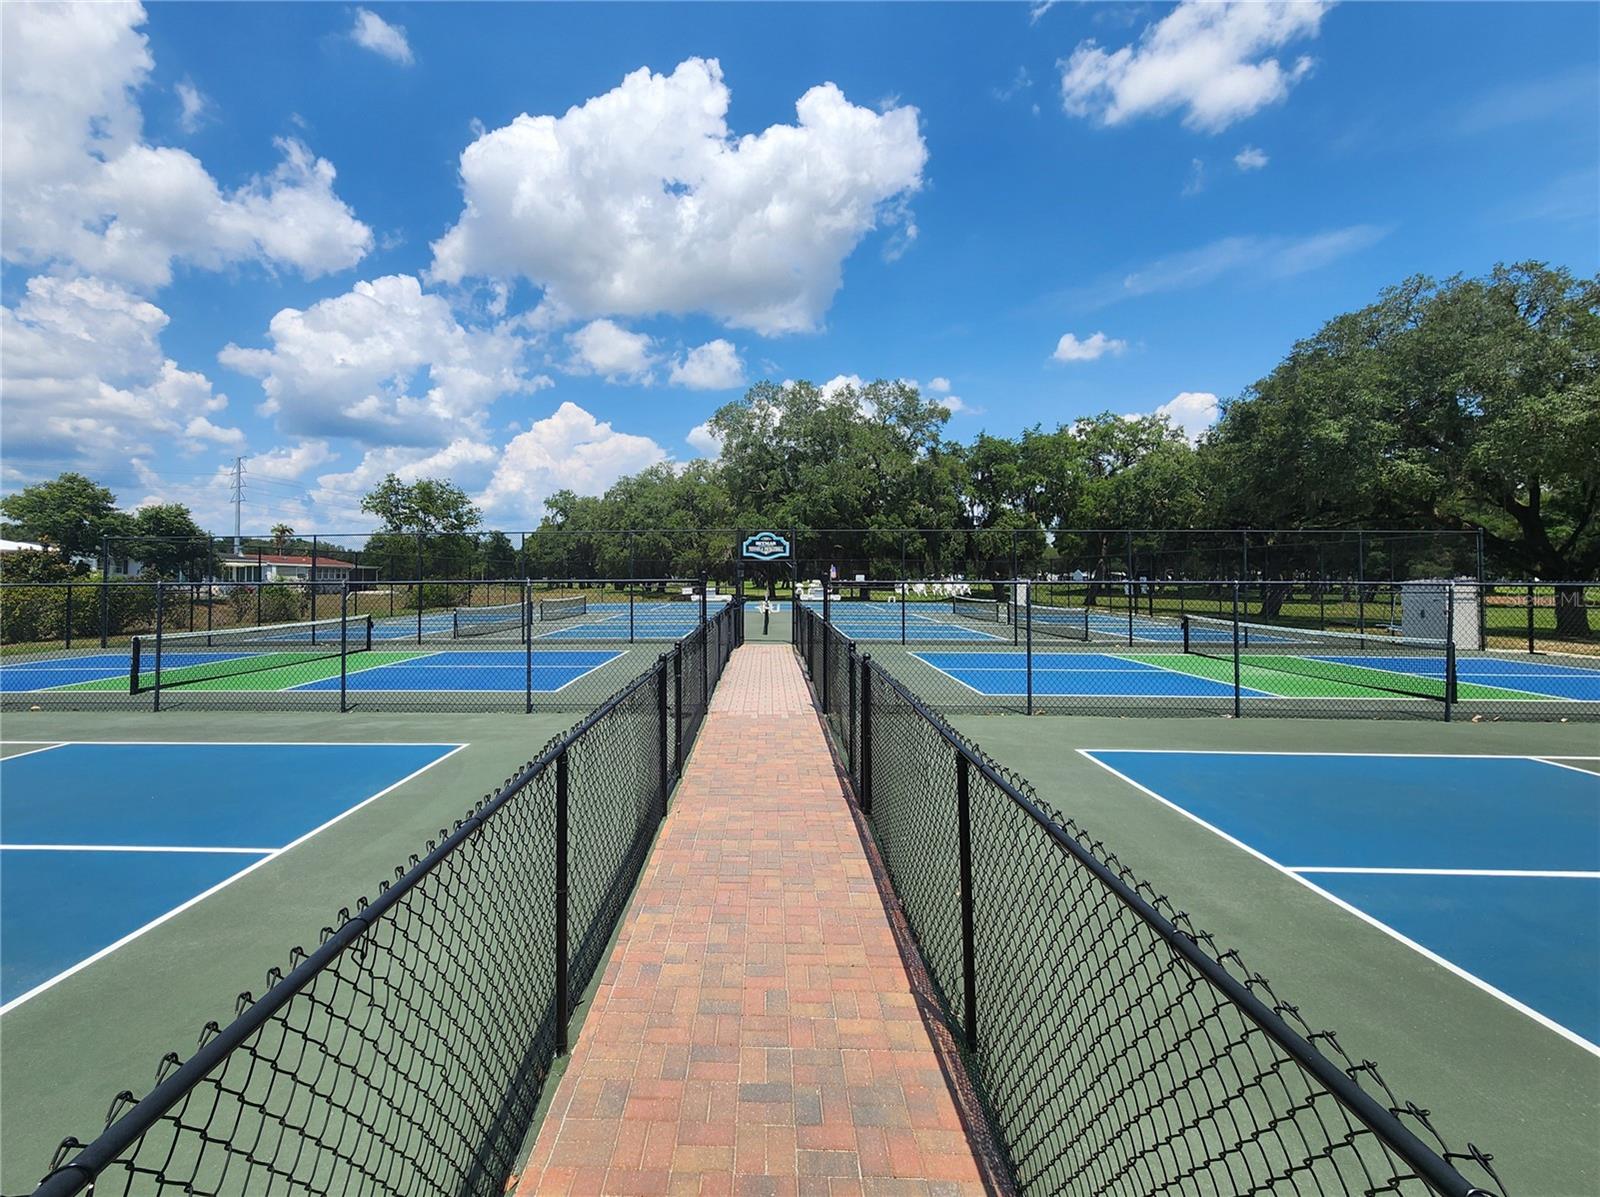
1468 405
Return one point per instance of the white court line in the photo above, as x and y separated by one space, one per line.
1449 965
1387 872
48 745
226 881
134 848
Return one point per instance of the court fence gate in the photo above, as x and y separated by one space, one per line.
1117 1049
407 1052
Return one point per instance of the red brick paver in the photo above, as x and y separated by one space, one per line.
755 1031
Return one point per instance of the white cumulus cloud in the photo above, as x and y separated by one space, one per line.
372 32
714 366
615 353
704 441
642 200
83 190
1191 411
384 363
569 449
195 106
86 383
1251 158
1213 61
1070 349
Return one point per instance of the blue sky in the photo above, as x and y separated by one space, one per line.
532 247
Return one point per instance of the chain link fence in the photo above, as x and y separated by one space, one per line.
1418 650
1117 1048
406 1053
455 645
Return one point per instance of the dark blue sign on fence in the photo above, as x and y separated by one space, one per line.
766 546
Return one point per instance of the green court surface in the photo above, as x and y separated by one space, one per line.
67 1051
266 671
1488 1073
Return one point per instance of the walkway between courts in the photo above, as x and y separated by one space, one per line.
756 1030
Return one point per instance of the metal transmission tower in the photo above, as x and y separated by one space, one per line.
238 500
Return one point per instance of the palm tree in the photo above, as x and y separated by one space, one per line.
280 537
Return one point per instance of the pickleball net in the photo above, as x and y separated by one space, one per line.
563 608
987 610
1339 662
170 659
500 619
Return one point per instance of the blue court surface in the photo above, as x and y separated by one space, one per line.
99 841
1088 674
441 670
479 671
1489 865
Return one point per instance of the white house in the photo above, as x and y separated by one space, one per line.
275 567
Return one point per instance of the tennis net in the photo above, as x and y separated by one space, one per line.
563 608
988 610
170 659
488 621
1344 662
1071 623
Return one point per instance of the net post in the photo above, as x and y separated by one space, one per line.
133 666
344 649
661 732
677 707
1132 597
865 792
161 603
1530 621
1361 611
630 607
969 953
69 616
1183 622
1238 705
902 589
1027 652
563 1009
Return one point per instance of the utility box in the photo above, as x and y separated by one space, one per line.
1442 609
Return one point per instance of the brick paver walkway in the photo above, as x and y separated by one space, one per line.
756 1030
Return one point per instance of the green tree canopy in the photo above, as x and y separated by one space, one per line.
67 514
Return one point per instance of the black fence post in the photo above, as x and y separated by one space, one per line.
1449 650
827 631
1530 619
903 598
850 708
661 729
344 649
630 610
1238 706
865 792
1027 652
161 603
69 616
563 998
1016 589
105 591
677 707
969 952
527 648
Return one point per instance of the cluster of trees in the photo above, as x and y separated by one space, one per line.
1468 405
1462 405
74 518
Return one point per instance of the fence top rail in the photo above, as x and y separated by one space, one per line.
1427 1163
